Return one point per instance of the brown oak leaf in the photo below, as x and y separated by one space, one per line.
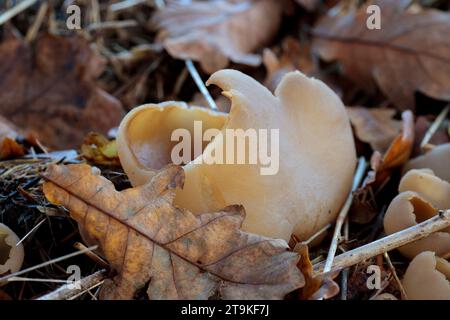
213 32
411 51
178 255
50 88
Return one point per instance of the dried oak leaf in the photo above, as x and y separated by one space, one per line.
148 241
375 126
50 88
213 32
411 51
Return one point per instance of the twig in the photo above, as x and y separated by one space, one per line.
67 291
11 13
30 232
383 287
112 25
394 273
395 240
434 126
343 213
200 84
317 234
94 257
37 280
125 5
46 263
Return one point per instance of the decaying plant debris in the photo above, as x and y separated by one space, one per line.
58 85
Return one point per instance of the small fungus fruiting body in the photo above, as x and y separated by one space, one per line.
11 254
427 278
316 153
421 196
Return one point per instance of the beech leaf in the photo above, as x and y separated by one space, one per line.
178 255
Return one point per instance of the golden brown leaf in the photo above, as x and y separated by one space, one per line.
9 148
99 150
148 241
49 87
409 53
213 32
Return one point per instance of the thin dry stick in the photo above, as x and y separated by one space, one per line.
317 234
11 13
343 213
46 263
125 5
394 273
33 30
112 25
383 287
30 232
94 257
434 126
67 291
200 84
393 241
345 272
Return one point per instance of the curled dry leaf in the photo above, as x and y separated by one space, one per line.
397 154
317 287
409 53
217 31
50 88
375 126
148 241
99 150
